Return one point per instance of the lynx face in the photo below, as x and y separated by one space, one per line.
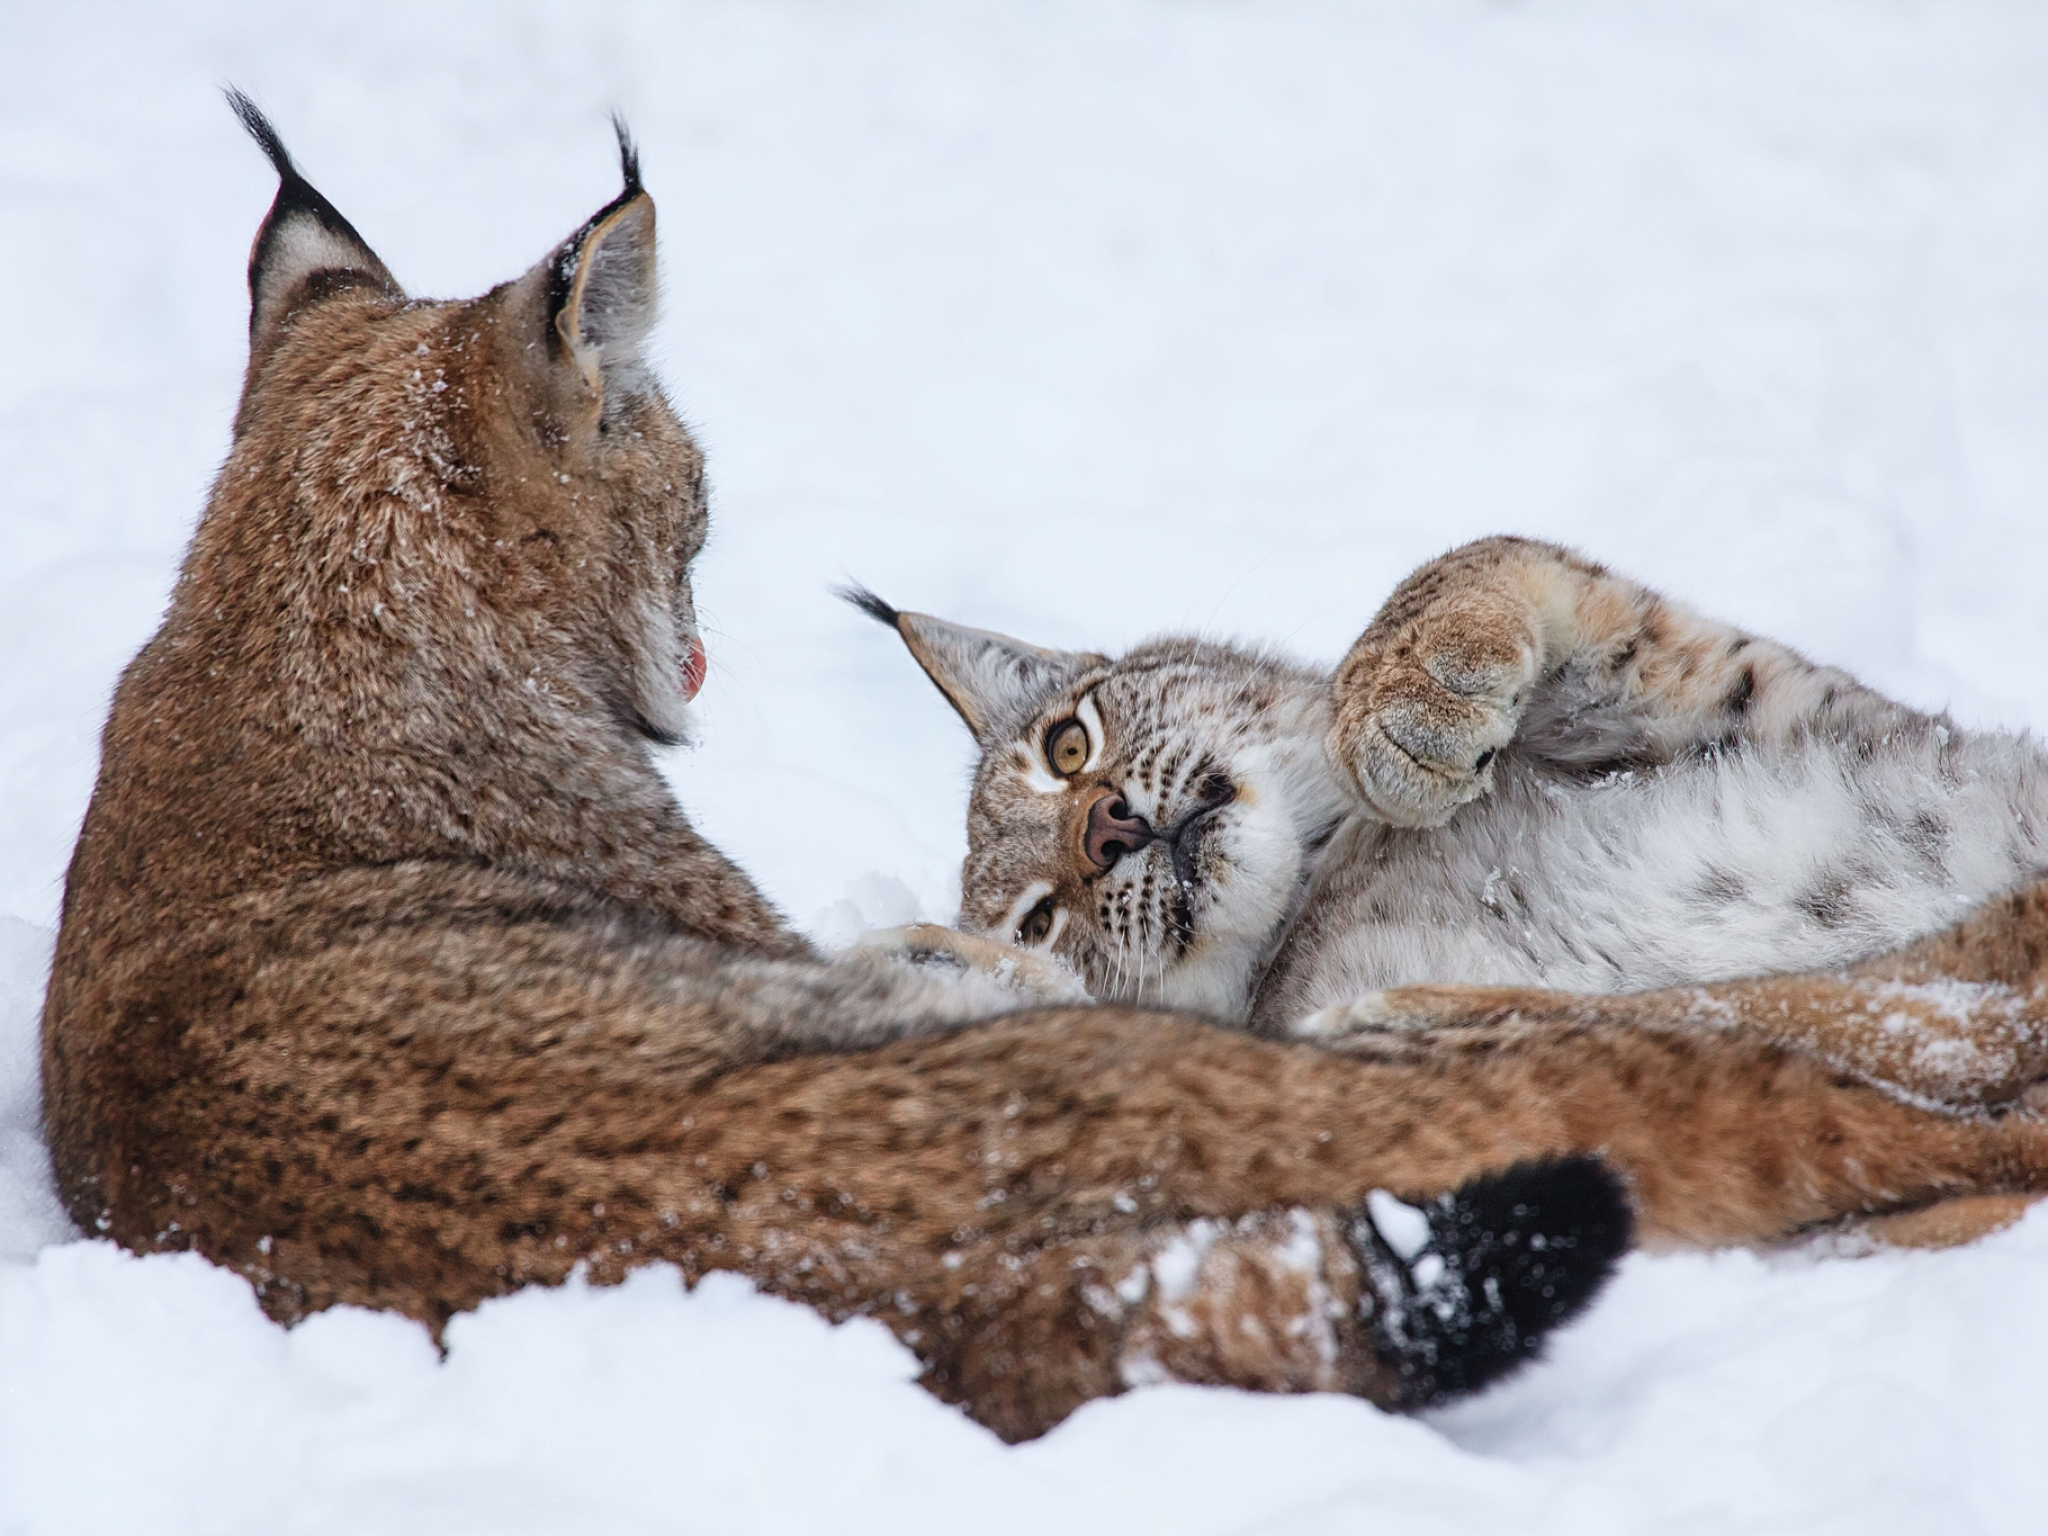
1151 821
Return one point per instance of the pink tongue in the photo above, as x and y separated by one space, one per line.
694 667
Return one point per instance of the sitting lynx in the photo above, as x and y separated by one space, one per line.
390 972
1528 773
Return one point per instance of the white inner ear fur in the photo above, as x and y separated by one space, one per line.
615 299
301 246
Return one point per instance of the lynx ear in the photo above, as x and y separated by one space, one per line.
600 287
991 679
305 249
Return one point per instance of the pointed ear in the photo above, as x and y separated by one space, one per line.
990 679
305 250
599 293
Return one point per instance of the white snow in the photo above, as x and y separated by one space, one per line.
1401 1226
1081 320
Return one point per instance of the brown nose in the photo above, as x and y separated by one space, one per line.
1113 831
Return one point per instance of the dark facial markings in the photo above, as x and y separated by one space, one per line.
1066 747
1133 844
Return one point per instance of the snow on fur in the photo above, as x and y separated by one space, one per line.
1086 322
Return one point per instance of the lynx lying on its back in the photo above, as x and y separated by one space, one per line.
392 974
1528 772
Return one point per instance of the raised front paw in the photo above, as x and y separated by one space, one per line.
1419 716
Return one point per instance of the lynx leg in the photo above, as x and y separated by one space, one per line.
1943 1042
1958 1019
1512 641
2004 942
1948 1224
1033 974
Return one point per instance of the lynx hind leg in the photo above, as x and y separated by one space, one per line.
1946 1223
1956 1021
1407 1023
1405 1306
1941 1042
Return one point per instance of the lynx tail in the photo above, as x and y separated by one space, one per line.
1505 1260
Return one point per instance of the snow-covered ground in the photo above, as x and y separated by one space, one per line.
1086 321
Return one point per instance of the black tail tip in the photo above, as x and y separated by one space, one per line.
260 130
867 603
1507 1259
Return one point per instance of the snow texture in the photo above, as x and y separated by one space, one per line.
1082 321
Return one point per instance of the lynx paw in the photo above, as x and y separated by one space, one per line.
1372 1013
1037 976
1418 725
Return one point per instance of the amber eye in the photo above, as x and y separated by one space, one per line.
1066 747
1037 923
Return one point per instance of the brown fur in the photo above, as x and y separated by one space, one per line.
1958 1020
391 974
1445 675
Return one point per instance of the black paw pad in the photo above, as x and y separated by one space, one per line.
1465 1289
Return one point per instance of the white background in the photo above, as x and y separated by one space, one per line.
1083 321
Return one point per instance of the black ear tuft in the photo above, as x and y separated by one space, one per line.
303 237
867 603
1505 1260
262 132
992 680
629 155
598 299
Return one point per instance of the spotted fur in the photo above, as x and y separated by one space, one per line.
1528 773
391 973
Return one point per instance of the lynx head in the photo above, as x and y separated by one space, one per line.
501 471
1151 820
